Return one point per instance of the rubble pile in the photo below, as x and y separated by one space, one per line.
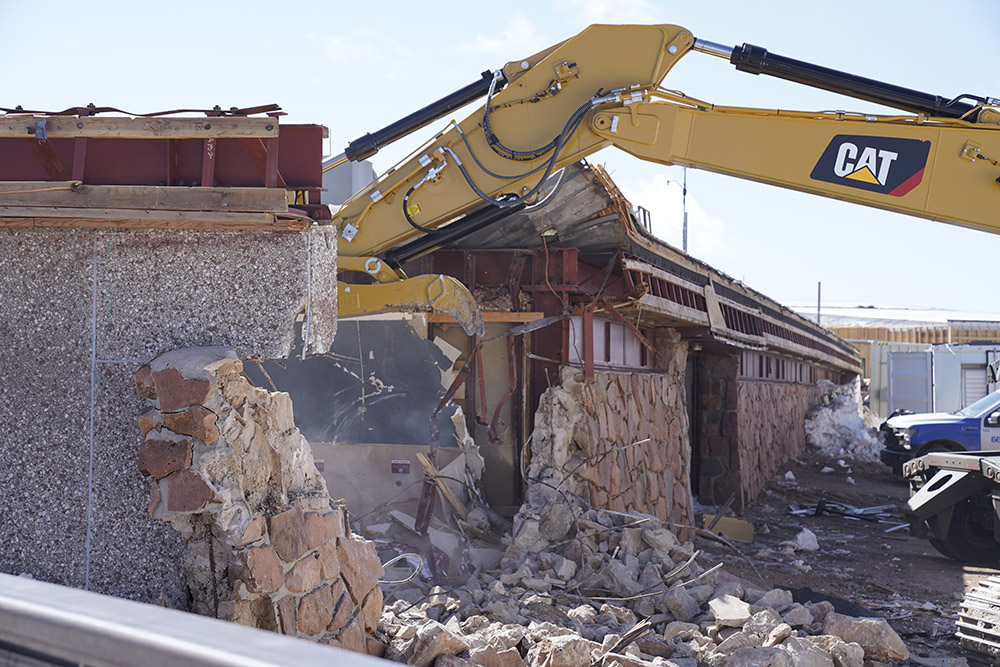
840 425
602 587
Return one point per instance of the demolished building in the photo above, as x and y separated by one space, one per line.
613 367
717 376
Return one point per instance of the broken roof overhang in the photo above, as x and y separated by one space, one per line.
669 287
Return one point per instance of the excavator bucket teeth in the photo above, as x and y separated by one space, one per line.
442 294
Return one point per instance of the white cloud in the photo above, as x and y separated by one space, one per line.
662 197
519 39
612 11
363 49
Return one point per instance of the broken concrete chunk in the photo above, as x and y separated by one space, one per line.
562 651
819 610
433 640
761 624
798 616
804 652
879 641
778 634
759 657
584 613
624 577
680 603
806 541
556 522
730 611
843 654
631 541
680 629
777 599
661 539
734 642
535 584
488 656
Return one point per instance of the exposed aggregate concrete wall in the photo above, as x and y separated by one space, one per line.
74 506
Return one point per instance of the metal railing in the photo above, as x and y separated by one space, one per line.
46 624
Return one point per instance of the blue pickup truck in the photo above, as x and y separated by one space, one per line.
973 428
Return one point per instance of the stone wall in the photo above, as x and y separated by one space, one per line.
619 443
718 404
266 546
746 430
771 428
74 506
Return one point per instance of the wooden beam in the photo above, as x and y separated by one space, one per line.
489 316
51 194
139 128
24 217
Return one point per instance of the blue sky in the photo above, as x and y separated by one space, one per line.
356 67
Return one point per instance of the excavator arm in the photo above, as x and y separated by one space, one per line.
602 88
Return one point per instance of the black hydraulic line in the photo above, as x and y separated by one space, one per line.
470 224
369 144
757 60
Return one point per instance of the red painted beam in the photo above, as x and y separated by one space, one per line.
46 154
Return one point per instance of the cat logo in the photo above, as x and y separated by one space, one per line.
885 165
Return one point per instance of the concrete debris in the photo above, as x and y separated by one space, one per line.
577 585
838 426
617 589
804 541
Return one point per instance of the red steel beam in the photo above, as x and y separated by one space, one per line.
50 160
79 157
208 162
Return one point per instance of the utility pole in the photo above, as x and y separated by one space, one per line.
819 295
684 203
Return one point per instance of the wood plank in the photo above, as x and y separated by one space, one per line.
139 128
13 217
489 316
443 488
73 194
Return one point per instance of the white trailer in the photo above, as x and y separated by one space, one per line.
931 378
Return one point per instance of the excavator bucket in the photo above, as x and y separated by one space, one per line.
439 293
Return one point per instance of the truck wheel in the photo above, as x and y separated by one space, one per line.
970 535
938 446
944 549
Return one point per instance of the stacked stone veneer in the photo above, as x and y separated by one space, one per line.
717 429
771 423
266 547
588 441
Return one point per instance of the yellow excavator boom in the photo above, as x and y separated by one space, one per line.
937 159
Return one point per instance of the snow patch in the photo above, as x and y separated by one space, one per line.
837 427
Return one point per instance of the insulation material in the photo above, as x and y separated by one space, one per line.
837 427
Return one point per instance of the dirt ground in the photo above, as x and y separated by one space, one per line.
892 575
